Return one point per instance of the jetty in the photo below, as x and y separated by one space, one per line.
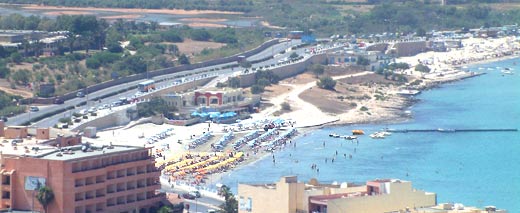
450 130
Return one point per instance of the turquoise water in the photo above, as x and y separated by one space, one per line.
473 168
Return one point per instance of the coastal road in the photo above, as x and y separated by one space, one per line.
24 117
202 204
161 81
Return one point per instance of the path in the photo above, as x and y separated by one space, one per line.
304 113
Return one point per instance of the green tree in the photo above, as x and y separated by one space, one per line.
234 82
231 204
318 69
16 57
362 61
422 68
45 196
92 63
200 35
165 209
183 59
327 83
257 89
293 55
22 76
4 71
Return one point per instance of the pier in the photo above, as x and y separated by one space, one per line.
450 130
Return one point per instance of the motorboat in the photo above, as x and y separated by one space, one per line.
377 135
351 137
509 72
358 132
334 135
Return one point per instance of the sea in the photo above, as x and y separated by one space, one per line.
472 168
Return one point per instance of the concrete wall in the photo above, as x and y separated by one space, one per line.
179 88
117 118
285 71
401 196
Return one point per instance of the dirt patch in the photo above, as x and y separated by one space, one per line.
21 91
267 24
129 10
371 78
190 46
301 79
338 70
200 24
129 16
275 90
326 100
58 13
203 19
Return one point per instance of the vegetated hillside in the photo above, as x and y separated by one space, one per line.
93 52
327 17
225 5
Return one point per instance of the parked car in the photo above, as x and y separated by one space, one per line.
34 109
4 118
196 193
80 94
58 101
189 196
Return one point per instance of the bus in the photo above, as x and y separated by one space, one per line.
145 86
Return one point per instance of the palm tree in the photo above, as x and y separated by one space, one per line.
45 196
164 209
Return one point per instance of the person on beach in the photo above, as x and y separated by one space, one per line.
350 156
323 143
336 152
325 160
345 155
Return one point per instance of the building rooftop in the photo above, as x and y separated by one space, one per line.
82 151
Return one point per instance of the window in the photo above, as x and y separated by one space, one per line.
214 101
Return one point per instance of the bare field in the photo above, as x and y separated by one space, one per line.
190 46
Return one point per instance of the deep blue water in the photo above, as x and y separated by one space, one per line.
473 168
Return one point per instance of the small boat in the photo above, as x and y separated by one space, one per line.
351 137
334 135
358 132
509 72
377 135
385 133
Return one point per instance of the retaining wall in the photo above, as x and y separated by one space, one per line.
286 71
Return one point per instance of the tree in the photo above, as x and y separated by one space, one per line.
164 209
22 76
45 196
422 68
327 83
317 69
16 57
200 35
231 204
362 61
183 59
293 55
257 89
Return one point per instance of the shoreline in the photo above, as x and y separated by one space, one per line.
394 118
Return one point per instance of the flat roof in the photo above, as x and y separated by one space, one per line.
76 152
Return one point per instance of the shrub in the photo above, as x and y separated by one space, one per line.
327 83
363 108
257 89
286 106
422 68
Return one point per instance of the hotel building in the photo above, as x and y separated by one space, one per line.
83 177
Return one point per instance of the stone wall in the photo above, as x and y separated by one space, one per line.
286 71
